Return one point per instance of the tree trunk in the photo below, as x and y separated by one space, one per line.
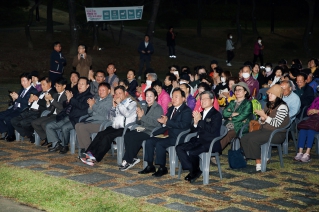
253 18
199 17
49 20
308 29
272 21
73 27
151 23
95 31
27 27
37 14
239 33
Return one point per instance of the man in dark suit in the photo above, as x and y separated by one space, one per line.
54 104
145 49
178 119
20 103
207 125
74 107
22 123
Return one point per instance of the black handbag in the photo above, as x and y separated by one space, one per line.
236 156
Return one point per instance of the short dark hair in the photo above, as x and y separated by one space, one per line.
26 75
120 87
171 77
56 43
101 71
47 79
86 79
180 90
61 81
302 75
105 84
126 83
187 86
111 64
235 79
75 72
153 91
278 68
84 46
248 66
132 70
157 83
204 85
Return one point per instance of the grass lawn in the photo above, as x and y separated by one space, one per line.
58 194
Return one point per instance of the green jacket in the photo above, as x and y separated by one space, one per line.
245 111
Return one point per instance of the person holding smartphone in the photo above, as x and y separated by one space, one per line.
82 62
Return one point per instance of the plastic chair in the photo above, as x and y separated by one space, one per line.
262 95
291 130
171 152
266 148
120 144
73 139
36 136
205 157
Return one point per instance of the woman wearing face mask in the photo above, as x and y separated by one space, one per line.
140 91
258 51
276 79
224 76
253 84
269 75
229 49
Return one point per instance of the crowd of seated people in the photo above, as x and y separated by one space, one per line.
184 100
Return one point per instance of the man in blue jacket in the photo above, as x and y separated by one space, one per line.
20 103
57 63
145 49
207 125
74 107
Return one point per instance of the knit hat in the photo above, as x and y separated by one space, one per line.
276 90
242 84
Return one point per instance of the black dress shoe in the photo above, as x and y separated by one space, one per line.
194 176
50 145
32 139
57 147
160 172
11 138
64 150
45 143
148 169
187 177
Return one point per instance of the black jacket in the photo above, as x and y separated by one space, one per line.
79 107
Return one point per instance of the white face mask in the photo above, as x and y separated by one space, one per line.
223 79
230 37
268 69
246 75
148 82
259 41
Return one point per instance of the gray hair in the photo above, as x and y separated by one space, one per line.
153 75
210 94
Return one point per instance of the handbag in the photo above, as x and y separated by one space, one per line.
236 156
230 125
312 123
254 125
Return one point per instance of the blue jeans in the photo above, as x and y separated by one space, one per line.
304 135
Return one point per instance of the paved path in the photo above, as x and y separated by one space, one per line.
8 205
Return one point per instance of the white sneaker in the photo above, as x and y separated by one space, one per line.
170 56
174 56
228 64
305 158
139 78
136 161
298 156
123 164
258 167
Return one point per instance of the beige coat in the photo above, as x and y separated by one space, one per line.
83 65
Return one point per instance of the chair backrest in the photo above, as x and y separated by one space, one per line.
45 113
262 95
180 136
223 132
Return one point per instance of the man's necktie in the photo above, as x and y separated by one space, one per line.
173 112
16 103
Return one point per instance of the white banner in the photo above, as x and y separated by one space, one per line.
113 13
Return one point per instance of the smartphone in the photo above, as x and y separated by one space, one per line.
175 72
82 55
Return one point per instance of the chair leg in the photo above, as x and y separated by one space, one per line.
172 160
205 167
317 145
37 139
144 162
179 170
218 165
264 154
120 149
280 156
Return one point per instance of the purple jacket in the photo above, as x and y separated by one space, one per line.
253 86
257 49
191 102
314 104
